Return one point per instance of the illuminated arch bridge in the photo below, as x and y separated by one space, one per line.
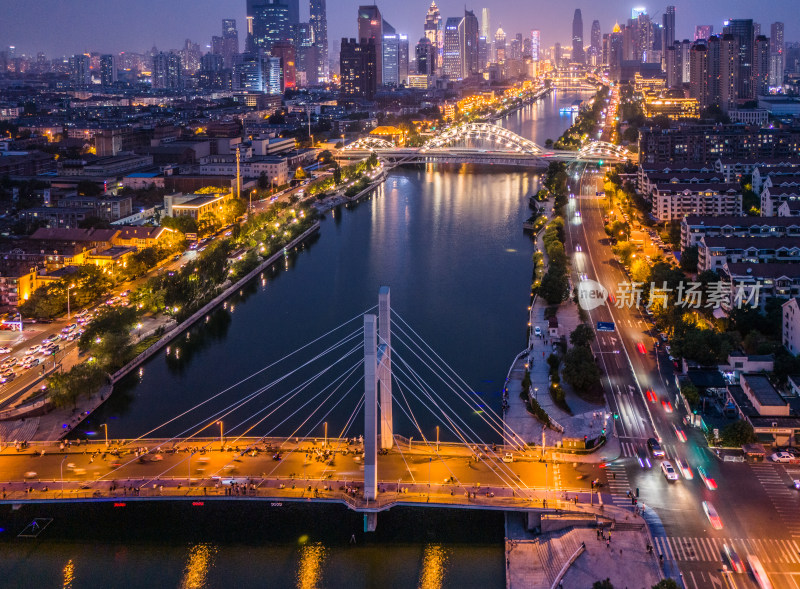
369 143
603 150
504 139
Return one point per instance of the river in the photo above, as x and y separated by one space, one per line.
449 243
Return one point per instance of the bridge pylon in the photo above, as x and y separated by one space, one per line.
377 381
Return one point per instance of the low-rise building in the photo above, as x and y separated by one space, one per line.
143 236
761 173
64 217
195 206
675 201
108 208
715 252
772 197
765 398
275 168
17 281
752 284
694 227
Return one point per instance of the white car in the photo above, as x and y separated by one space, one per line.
508 457
537 331
781 457
669 472
5 350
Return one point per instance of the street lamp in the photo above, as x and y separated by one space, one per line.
62 474
70 287
437 438
105 427
221 439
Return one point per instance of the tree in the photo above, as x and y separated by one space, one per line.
624 251
640 271
604 584
300 173
689 259
583 335
738 433
109 320
580 369
554 286
337 175
112 349
691 394
182 223
666 584
64 389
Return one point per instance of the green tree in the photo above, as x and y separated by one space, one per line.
583 335
111 349
625 252
554 286
738 433
85 379
300 174
182 223
689 259
109 320
691 394
580 369
337 175
666 584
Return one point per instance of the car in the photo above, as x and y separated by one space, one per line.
685 469
612 299
709 481
10 362
758 572
508 457
33 349
712 515
577 213
782 457
177 257
655 448
667 405
644 459
668 349
31 364
679 433
7 378
31 474
5 350
730 554
537 331
668 471
53 338
641 348
578 248
651 396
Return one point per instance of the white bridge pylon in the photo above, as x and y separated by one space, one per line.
506 140
377 382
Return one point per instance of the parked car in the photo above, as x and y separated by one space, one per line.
782 457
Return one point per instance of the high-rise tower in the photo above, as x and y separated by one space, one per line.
434 32
577 38
370 26
319 25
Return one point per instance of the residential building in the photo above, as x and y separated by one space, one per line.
715 252
675 201
167 72
694 227
791 325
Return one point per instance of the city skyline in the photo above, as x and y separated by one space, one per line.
60 30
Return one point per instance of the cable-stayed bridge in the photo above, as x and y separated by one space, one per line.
274 442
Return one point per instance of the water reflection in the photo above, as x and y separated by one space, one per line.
69 574
309 572
434 567
195 575
180 352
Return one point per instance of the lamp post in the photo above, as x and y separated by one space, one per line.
105 427
62 474
325 445
221 439
70 287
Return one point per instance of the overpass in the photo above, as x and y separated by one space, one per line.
483 144
369 473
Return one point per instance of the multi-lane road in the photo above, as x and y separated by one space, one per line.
757 504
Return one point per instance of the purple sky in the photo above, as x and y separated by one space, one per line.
63 27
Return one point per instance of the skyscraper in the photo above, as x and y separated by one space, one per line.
668 23
596 43
698 79
230 41
390 61
742 29
777 59
486 26
167 71
434 32
271 25
578 55
468 42
358 66
319 25
426 57
673 65
535 44
761 66
451 59
80 73
285 51
108 69
500 45
370 26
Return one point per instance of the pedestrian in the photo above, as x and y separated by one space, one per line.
608 542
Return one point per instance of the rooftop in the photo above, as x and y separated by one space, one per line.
770 270
763 390
740 221
736 242
60 234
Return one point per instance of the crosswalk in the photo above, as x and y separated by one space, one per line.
618 483
705 549
777 483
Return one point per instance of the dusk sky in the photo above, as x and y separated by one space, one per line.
64 27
